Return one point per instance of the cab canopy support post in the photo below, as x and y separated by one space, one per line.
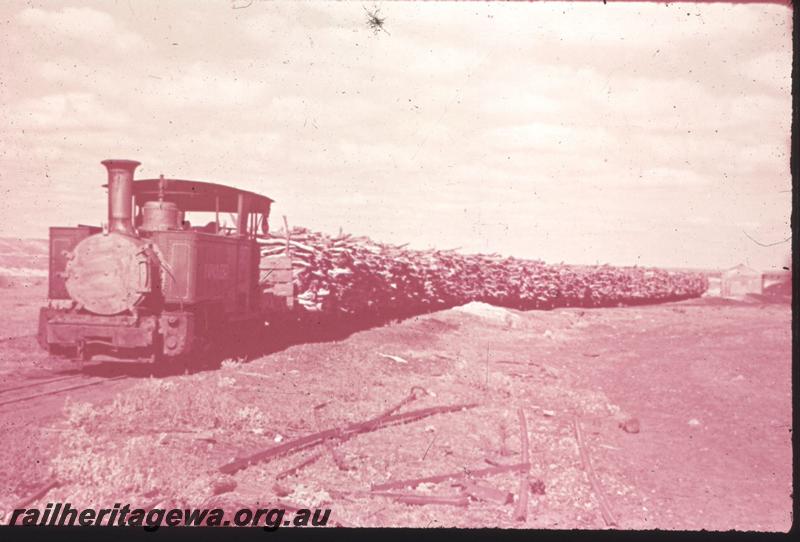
241 215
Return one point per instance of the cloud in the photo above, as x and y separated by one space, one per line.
268 17
67 111
538 136
83 24
200 84
674 177
486 119
507 104
771 69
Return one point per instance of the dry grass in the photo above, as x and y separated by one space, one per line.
146 441
165 439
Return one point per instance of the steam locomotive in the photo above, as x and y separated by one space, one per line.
149 285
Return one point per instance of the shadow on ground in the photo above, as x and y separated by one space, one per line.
247 344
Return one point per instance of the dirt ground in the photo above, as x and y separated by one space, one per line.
708 380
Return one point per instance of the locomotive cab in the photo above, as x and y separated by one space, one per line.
150 285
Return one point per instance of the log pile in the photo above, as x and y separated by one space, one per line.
347 277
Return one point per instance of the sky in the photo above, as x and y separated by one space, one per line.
629 134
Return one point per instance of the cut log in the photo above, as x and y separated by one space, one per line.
605 510
297 468
485 492
340 433
371 282
521 510
477 473
410 498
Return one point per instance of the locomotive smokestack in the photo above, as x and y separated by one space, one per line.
120 195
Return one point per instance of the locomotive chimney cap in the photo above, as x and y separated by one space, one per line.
123 163
120 162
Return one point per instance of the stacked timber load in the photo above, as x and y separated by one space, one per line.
345 277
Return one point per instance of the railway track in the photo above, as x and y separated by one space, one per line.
17 337
39 383
55 386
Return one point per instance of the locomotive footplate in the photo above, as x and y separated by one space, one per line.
100 333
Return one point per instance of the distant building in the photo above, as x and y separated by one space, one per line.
776 282
714 285
739 281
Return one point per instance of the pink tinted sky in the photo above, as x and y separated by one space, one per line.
628 133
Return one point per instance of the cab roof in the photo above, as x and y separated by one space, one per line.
199 196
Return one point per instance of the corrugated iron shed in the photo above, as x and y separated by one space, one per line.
740 281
